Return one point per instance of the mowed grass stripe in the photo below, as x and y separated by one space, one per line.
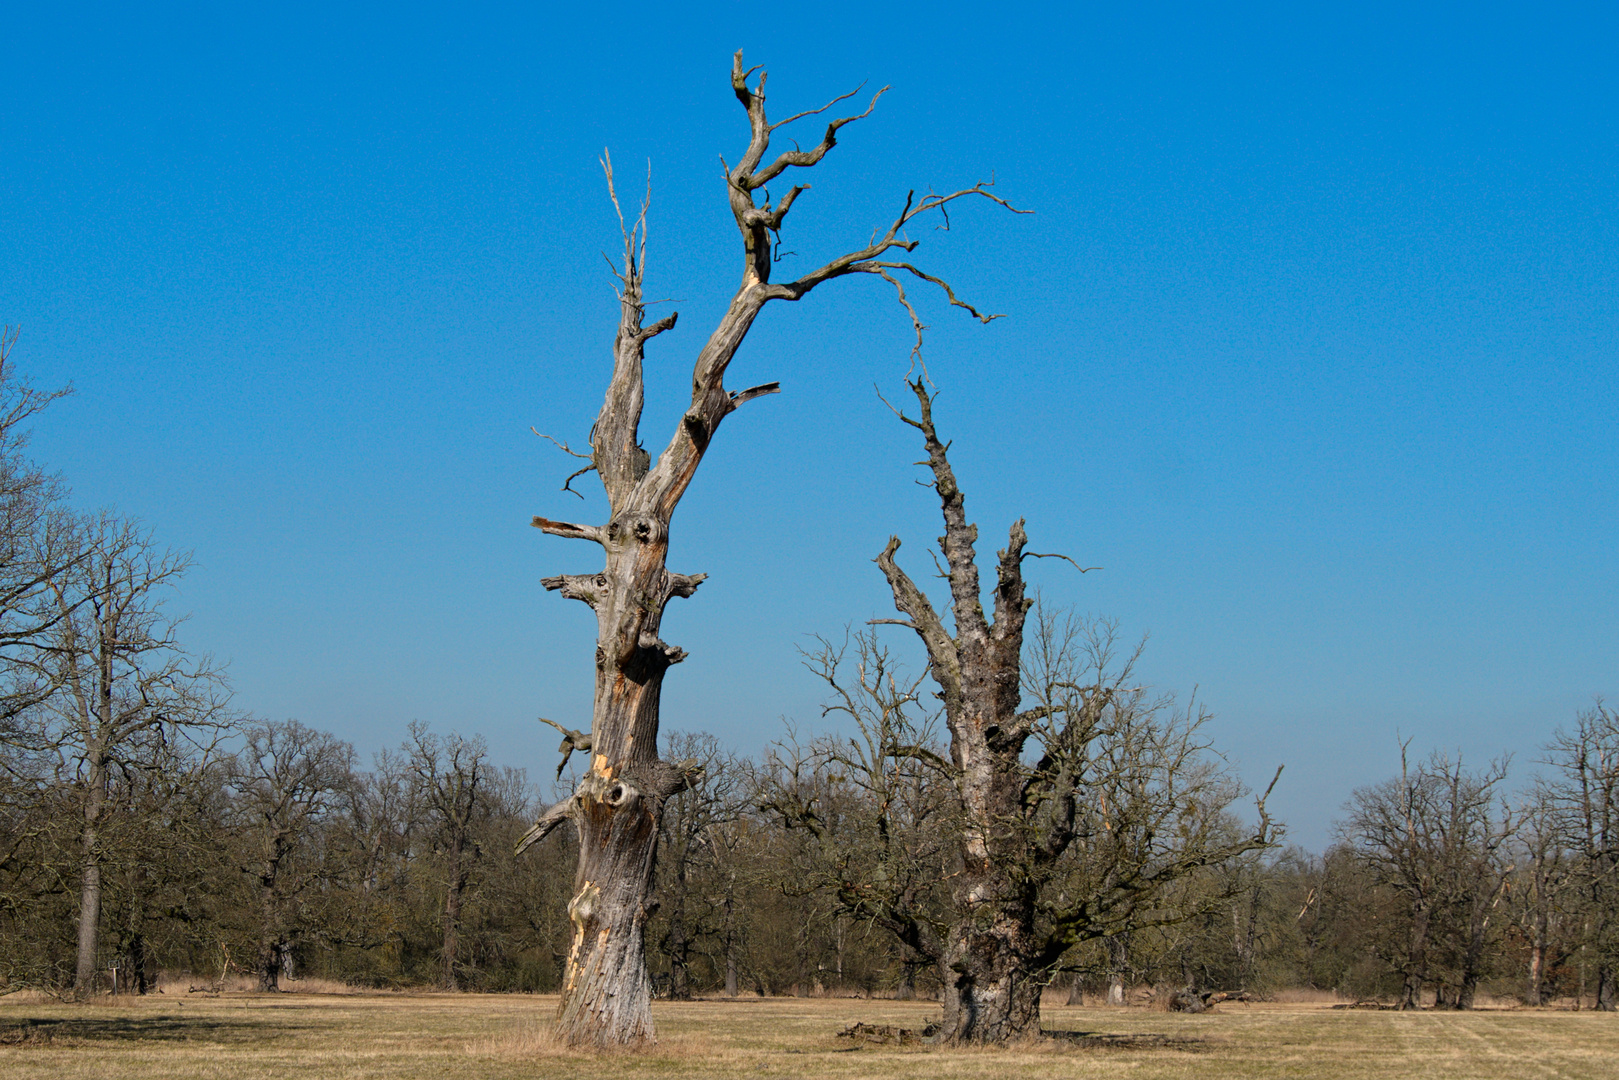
419 1036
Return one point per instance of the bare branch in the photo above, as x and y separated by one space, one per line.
822 109
665 323
1064 558
564 447
804 159
567 485
589 588
549 820
685 585
571 740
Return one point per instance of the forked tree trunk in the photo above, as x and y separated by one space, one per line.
988 963
606 993
1013 820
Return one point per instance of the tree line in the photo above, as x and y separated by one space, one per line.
149 827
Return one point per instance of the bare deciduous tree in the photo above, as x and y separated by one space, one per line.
38 541
1435 835
606 993
127 688
287 780
451 778
1584 788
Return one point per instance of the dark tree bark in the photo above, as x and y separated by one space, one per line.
1416 961
606 992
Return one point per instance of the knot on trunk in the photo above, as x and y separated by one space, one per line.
637 528
606 789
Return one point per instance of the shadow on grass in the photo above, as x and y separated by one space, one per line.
157 1029
1099 1040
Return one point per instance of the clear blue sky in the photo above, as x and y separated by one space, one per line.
1311 343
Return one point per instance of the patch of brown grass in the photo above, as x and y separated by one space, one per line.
358 1036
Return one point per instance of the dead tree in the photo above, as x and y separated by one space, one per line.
606 992
1015 821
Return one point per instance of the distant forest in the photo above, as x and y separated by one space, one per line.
147 827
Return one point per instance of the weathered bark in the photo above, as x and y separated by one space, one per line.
991 981
606 992
1537 963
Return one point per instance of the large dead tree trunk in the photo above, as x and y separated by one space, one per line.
991 989
606 992
1017 819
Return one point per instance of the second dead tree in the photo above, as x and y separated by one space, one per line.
1003 939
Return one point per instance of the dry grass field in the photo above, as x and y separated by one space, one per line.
410 1036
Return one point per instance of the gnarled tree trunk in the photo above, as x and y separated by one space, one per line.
992 983
1015 819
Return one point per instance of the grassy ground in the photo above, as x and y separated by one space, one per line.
464 1036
